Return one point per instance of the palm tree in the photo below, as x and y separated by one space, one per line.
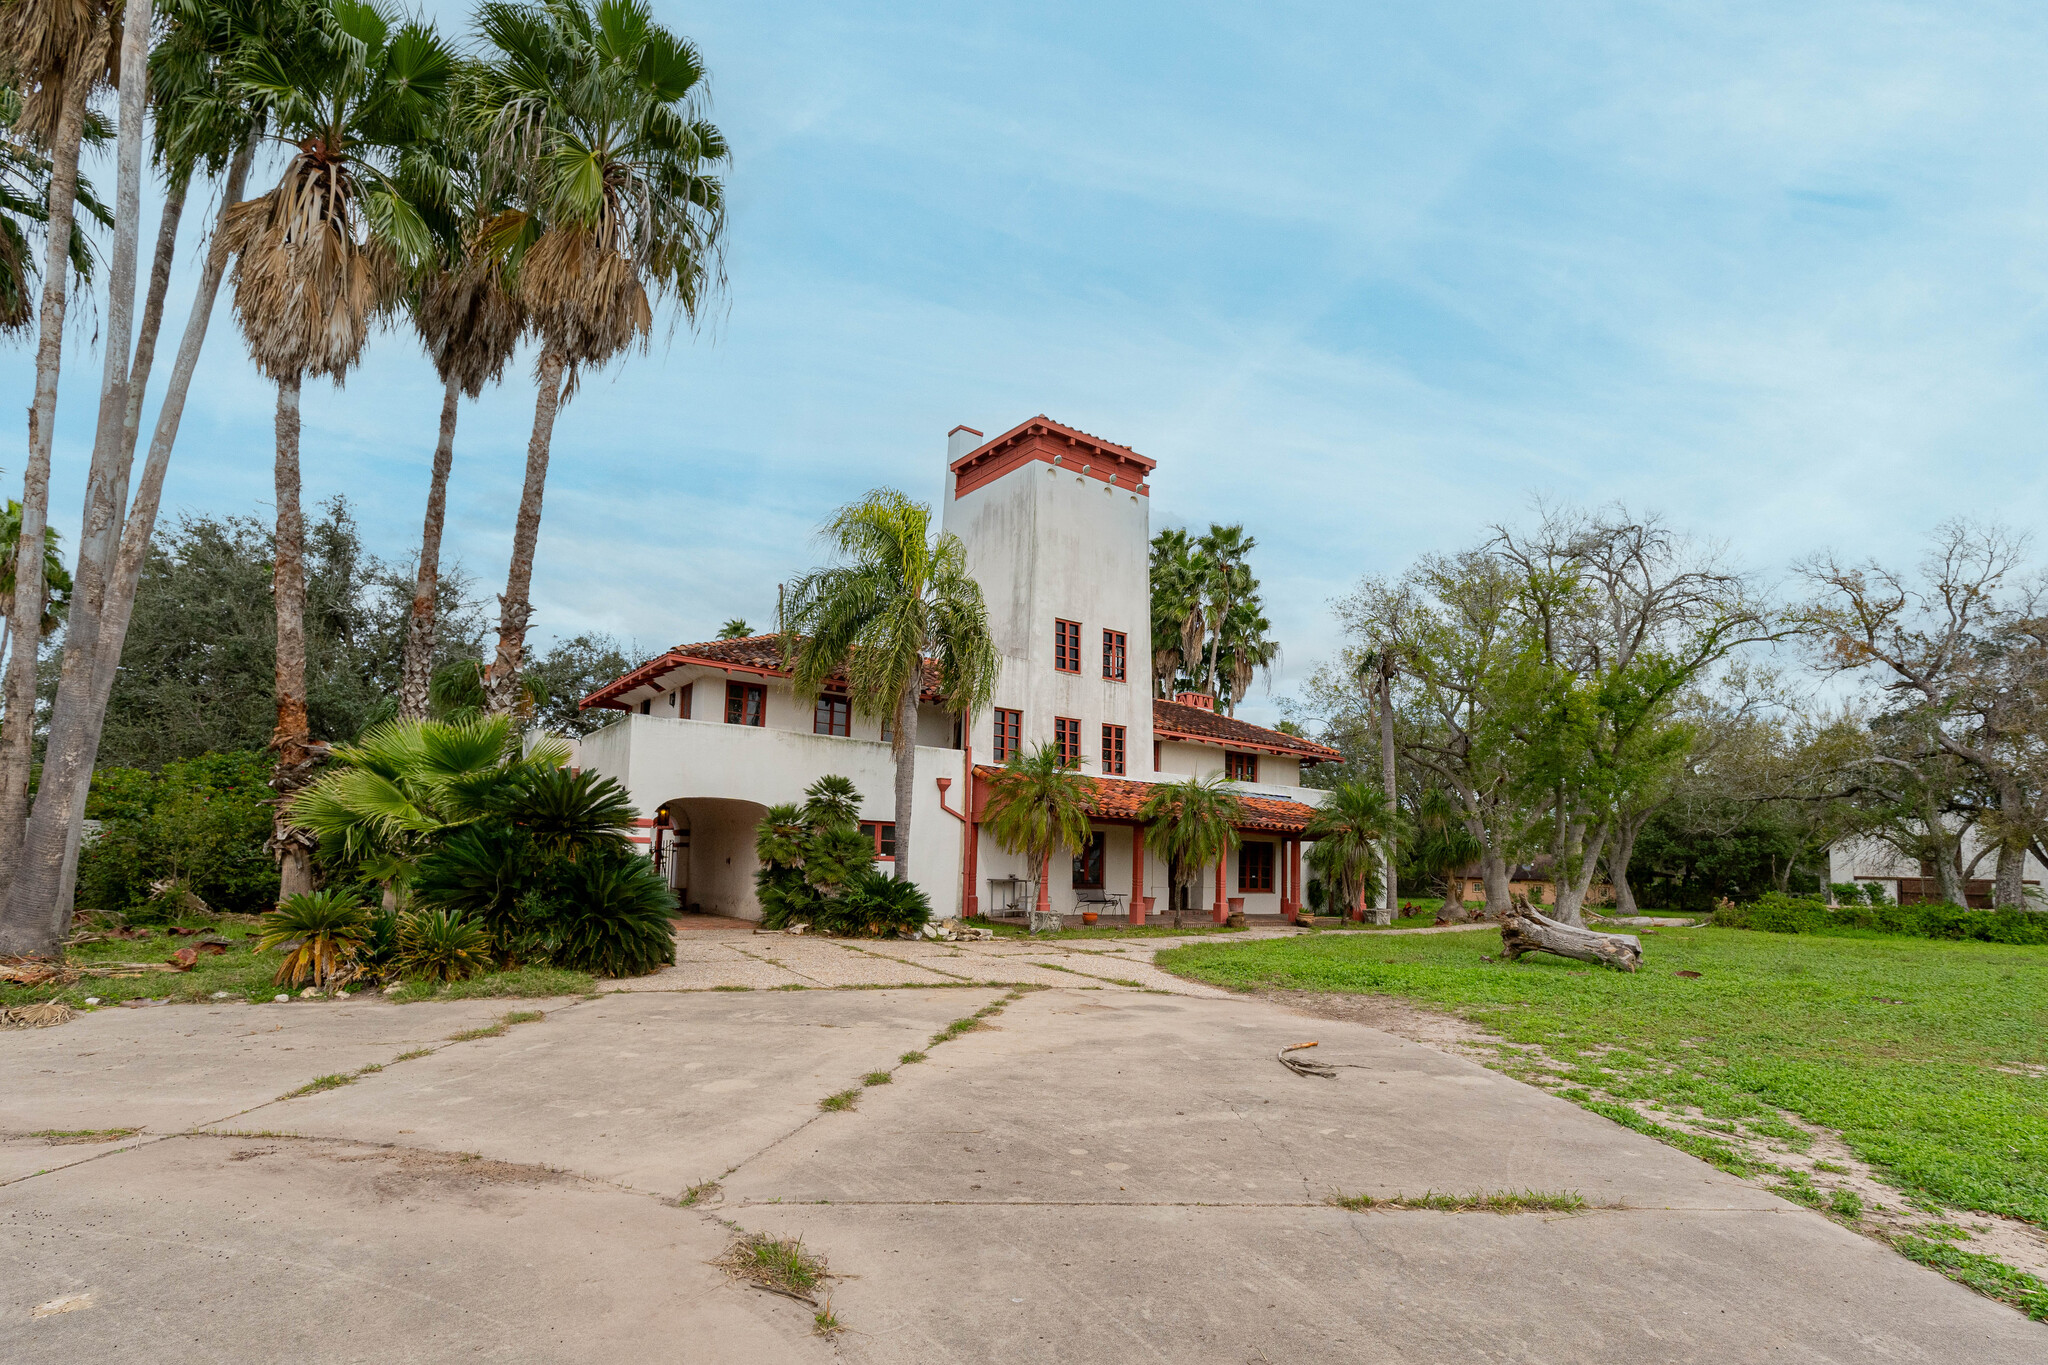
470 324
1375 674
735 629
25 208
200 121
1191 824
1351 830
1443 842
1247 650
56 52
407 783
316 260
896 610
596 107
1178 626
1226 580
1039 805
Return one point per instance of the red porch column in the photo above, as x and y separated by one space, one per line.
1294 871
1287 905
1221 910
1137 907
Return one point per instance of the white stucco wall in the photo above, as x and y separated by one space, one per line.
1046 544
659 760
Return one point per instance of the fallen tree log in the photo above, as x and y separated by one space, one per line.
1525 929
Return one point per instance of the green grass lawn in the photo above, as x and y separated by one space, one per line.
245 974
1927 1057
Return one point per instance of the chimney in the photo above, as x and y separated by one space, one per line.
959 441
1197 699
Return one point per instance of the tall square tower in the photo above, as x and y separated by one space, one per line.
1057 525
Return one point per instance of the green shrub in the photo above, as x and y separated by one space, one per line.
199 824
616 918
439 945
816 865
328 931
875 905
1780 914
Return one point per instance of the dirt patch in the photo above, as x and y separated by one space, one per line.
1390 1014
389 1174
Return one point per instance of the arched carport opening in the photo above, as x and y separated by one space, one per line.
704 848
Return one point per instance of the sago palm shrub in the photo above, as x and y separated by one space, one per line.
439 945
329 931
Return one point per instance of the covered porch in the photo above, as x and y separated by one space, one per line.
1117 878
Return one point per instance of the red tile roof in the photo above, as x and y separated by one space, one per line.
759 654
1176 720
1119 799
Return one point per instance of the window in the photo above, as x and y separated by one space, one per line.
1066 646
883 833
683 699
833 716
1088 864
1255 867
1241 767
647 707
1113 655
1066 732
745 703
1113 750
1009 734
959 730
1155 758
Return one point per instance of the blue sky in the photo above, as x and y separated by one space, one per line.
1367 277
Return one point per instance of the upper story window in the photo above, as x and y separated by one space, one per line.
1255 867
647 707
1066 646
883 832
1241 767
683 696
832 716
1113 750
1066 732
1088 864
746 703
1113 652
1009 734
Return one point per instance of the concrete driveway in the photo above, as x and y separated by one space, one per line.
1102 1172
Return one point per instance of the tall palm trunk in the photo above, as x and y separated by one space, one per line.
1389 779
905 743
32 894
17 735
417 668
141 523
501 689
292 846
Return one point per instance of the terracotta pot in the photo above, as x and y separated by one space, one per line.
1150 901
1236 904
1087 917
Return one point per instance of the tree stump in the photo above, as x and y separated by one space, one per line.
1525 929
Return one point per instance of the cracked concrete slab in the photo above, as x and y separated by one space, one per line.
958 1285
655 1092
1130 1098
258 1251
169 1068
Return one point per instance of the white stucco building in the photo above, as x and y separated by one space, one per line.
1907 881
1057 525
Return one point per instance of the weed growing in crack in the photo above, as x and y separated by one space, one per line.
825 1323
697 1194
780 1264
845 1099
1494 1201
909 1057
318 1084
416 1052
876 1078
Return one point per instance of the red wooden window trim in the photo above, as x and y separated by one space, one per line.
1113 750
832 716
1113 655
746 703
883 832
683 695
1066 646
1088 863
1241 767
1066 732
1009 734
1255 867
1155 757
